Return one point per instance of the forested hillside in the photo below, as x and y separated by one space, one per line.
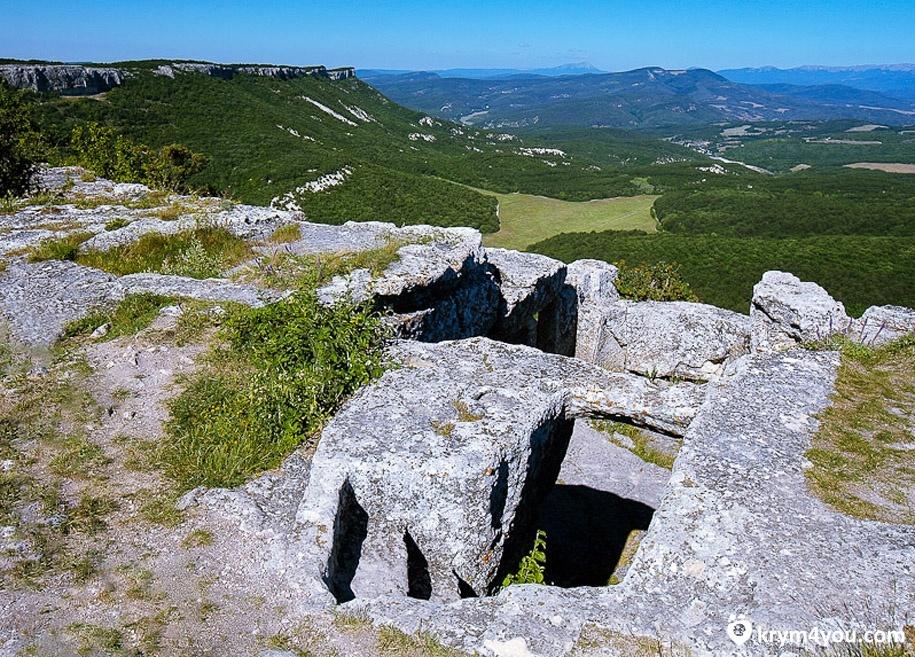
852 232
339 150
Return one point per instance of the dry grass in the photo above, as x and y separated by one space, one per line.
864 452
888 167
285 234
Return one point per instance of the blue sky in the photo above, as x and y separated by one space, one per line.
611 35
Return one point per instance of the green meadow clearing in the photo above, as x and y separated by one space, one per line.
526 219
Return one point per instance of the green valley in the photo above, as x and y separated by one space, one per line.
525 219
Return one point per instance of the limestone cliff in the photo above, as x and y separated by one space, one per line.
73 79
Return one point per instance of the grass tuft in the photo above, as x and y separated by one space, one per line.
58 248
200 253
114 224
285 234
641 444
134 313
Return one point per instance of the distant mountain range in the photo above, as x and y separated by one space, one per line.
580 68
896 80
646 97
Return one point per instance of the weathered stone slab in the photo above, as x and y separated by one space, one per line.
350 237
786 311
209 289
593 280
39 299
431 263
669 339
435 469
882 324
530 284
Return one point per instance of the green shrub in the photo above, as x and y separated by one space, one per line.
172 166
285 368
20 143
660 281
112 155
107 153
532 566
194 261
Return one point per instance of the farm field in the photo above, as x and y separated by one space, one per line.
526 219
888 167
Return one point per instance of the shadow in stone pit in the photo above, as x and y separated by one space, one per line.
586 531
419 581
350 531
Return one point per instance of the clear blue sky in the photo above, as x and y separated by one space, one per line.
434 34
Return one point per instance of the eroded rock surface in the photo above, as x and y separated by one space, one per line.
882 324
737 531
481 429
530 284
673 339
38 300
786 311
62 77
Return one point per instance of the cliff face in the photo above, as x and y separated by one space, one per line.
85 80
76 80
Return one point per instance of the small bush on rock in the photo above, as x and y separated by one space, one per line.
532 566
656 282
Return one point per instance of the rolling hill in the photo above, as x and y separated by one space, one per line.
579 68
646 97
896 80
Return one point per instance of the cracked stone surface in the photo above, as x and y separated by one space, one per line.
665 338
735 530
786 311
482 429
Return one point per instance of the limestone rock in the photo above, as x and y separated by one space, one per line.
210 289
529 284
881 324
786 311
431 262
78 182
39 299
353 236
593 284
593 280
736 528
481 428
667 338
65 78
